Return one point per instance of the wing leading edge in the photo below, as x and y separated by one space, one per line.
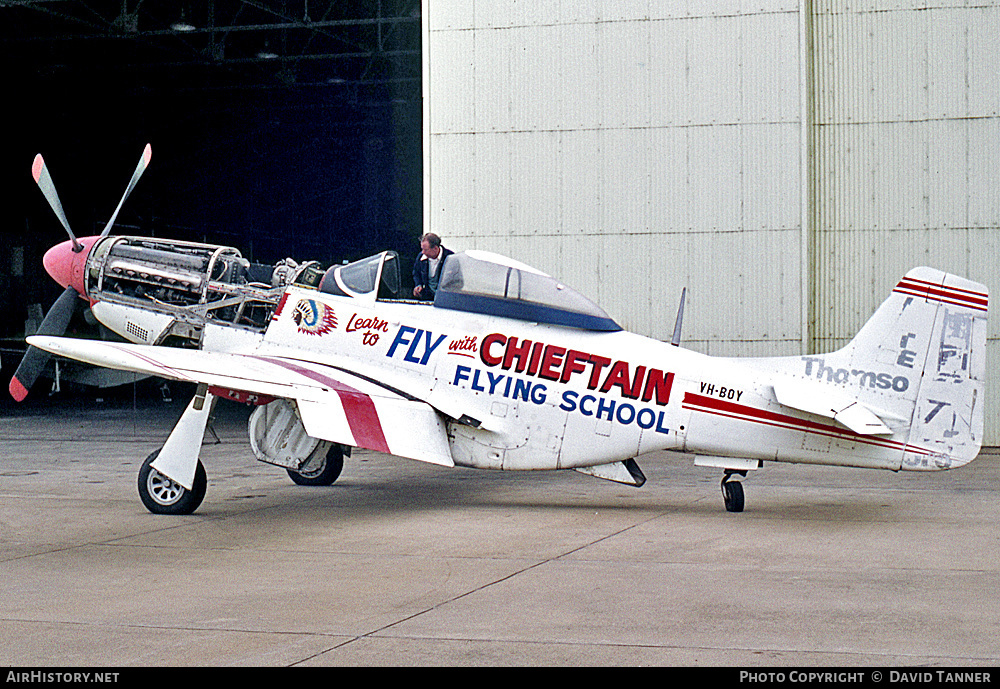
333 404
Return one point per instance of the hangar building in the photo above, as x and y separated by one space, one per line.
284 129
785 160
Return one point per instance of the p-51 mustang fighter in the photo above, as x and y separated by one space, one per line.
508 368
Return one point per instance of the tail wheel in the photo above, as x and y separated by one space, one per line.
732 495
162 495
323 473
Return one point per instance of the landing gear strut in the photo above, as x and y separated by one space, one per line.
165 475
732 491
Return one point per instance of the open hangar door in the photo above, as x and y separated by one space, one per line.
284 129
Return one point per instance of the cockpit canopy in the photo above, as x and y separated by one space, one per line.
487 283
378 275
473 281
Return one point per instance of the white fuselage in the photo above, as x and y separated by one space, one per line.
531 396
504 392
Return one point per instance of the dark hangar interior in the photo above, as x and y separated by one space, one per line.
284 128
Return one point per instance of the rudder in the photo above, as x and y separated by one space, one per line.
924 353
947 427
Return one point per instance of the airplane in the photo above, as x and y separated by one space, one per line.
507 368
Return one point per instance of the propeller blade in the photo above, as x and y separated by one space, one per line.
44 181
55 323
147 153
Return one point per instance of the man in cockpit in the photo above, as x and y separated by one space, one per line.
427 266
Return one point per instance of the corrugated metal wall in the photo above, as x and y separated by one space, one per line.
633 148
907 150
905 100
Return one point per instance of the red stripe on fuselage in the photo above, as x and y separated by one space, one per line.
742 412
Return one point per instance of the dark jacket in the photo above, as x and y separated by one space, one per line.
421 268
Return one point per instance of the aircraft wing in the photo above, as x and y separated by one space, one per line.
843 409
334 405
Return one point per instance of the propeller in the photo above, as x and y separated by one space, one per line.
147 153
35 359
60 264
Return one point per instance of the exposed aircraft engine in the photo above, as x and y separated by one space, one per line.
153 290
171 272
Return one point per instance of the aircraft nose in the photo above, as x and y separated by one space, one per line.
68 267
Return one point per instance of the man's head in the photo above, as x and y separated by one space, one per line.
430 245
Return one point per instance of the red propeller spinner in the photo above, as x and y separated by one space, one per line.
67 266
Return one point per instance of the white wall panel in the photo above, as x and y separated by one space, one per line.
491 84
946 56
947 174
451 16
492 15
623 74
536 66
454 178
713 94
580 182
456 49
579 87
668 68
534 186
622 257
767 94
983 27
626 156
900 81
489 195
704 8
583 11
613 131
770 198
898 162
714 178
669 196
984 173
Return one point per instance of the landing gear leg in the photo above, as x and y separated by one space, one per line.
732 491
172 479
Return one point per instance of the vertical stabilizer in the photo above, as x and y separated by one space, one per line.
921 357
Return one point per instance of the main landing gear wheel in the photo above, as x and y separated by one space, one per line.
732 492
322 473
162 495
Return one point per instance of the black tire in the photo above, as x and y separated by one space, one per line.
732 495
161 495
326 473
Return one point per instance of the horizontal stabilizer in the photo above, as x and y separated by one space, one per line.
823 401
